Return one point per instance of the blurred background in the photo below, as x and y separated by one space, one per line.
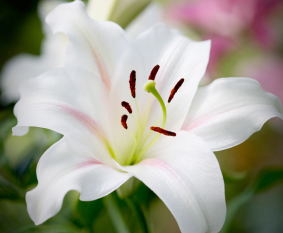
247 41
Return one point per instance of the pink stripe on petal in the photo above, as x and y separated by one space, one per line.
100 65
83 118
89 163
103 71
162 165
207 119
198 123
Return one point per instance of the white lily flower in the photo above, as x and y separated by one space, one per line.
82 101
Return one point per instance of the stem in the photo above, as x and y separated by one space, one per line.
115 214
130 12
111 10
137 210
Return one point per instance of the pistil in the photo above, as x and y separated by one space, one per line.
149 86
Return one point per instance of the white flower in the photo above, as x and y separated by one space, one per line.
97 155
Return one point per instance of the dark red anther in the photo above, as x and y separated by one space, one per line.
175 89
127 106
133 83
153 72
124 121
163 131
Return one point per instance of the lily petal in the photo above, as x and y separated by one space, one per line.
229 110
186 176
43 9
64 100
90 45
53 95
62 169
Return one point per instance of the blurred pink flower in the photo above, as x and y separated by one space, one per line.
221 17
230 17
268 72
219 46
263 29
223 21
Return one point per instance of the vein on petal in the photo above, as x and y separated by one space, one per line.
89 163
98 61
206 120
83 118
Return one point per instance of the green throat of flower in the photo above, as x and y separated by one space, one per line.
140 144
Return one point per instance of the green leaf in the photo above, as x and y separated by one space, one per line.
13 215
111 203
86 212
10 191
265 179
233 207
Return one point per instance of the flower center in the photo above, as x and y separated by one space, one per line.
139 146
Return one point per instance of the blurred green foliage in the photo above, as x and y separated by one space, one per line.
264 180
20 28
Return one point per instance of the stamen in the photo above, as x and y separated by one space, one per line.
133 83
163 131
153 72
127 106
175 89
124 121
